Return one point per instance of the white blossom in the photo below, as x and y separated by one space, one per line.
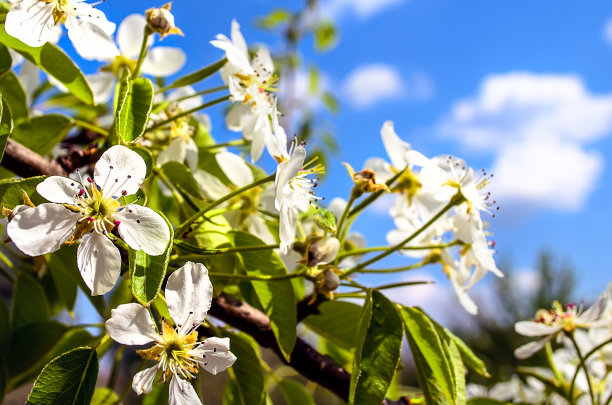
91 211
177 351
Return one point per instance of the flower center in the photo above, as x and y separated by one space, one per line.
564 316
118 64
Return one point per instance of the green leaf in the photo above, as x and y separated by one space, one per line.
198 75
42 133
157 396
486 401
467 355
379 351
147 272
274 18
246 371
55 62
331 102
146 156
134 107
6 61
295 393
14 95
68 379
6 126
336 322
106 396
11 191
64 280
181 177
276 297
325 36
326 220
29 302
436 358
5 329
3 380
231 393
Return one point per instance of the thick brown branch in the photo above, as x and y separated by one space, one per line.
305 359
27 163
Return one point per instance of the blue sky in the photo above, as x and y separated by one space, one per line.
521 88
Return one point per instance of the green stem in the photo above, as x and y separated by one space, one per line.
238 142
183 227
144 48
202 93
400 284
175 190
89 126
372 197
583 366
187 112
455 200
381 248
552 365
219 251
343 218
396 269
258 278
586 356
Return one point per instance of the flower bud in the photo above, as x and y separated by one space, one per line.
328 281
365 181
322 251
161 20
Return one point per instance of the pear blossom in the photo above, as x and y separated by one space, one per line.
90 211
550 323
293 192
250 83
177 351
34 23
160 61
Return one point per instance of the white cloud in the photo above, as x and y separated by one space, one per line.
607 31
361 8
369 84
537 126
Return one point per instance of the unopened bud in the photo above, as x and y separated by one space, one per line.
323 251
365 181
161 20
328 281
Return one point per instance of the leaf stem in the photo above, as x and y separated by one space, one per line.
218 251
583 366
144 48
187 112
258 278
89 126
397 269
202 93
237 142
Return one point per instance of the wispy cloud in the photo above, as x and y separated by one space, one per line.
537 127
607 31
360 8
369 84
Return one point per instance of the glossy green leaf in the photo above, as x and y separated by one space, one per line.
325 36
30 304
336 322
55 62
105 396
379 351
246 371
274 18
6 61
181 177
326 220
147 272
5 328
468 357
11 191
6 126
14 95
64 280
231 393
295 393
437 358
42 133
276 297
68 379
198 75
134 105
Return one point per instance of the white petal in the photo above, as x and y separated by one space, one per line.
238 39
235 168
287 171
186 96
90 41
99 262
218 357
211 187
530 328
131 324
464 299
121 164
163 61
103 85
87 13
529 349
263 64
189 294
175 152
192 154
395 147
130 34
142 383
57 189
182 393
143 229
286 227
31 22
42 229
29 75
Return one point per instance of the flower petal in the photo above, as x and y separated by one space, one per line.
121 169
175 152
189 294
529 349
143 229
182 393
142 383
102 84
99 262
31 22
286 171
130 33
131 324
186 96
90 40
218 357
530 328
211 187
163 61
88 13
42 229
235 168
61 190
